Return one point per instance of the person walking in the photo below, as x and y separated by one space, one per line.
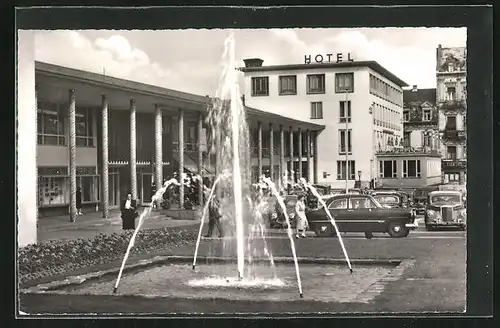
214 217
79 201
302 224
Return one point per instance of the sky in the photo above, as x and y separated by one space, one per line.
190 60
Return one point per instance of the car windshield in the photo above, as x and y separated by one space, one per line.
387 199
290 201
445 199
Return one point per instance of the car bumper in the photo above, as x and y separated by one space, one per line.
412 226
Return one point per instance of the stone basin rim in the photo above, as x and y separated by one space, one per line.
176 259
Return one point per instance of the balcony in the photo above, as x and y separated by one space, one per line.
450 105
455 135
403 151
454 164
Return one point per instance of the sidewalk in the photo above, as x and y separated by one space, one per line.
92 223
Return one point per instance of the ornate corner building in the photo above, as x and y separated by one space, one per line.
451 99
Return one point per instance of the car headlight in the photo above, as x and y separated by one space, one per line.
433 215
291 215
274 215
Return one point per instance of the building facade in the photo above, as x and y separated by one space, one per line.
451 98
91 126
360 104
420 119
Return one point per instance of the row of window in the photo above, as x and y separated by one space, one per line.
315 84
52 122
386 117
426 115
54 190
385 91
344 111
389 169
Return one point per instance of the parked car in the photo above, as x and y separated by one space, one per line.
277 217
420 197
392 199
361 213
445 209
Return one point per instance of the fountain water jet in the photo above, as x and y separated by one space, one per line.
318 196
145 213
289 230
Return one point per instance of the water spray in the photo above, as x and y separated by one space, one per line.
205 209
332 220
271 185
156 197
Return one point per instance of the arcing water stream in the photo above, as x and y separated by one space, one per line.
271 185
157 197
318 196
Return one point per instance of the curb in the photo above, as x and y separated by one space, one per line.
56 286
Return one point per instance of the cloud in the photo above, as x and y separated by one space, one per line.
113 55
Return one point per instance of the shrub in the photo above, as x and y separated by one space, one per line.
59 256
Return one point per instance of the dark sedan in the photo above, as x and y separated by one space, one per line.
361 213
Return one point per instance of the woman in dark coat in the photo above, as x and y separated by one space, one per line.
129 214
214 216
79 201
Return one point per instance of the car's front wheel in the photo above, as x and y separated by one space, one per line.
397 229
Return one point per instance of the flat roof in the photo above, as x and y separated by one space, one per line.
152 90
371 64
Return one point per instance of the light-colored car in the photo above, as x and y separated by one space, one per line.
445 209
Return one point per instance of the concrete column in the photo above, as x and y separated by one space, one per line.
181 157
105 159
271 151
72 155
300 153
158 147
133 146
315 156
282 166
291 175
308 154
27 177
200 159
259 155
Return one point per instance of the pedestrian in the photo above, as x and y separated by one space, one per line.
153 193
302 223
79 201
214 217
129 212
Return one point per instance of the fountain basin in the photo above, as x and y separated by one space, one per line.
325 280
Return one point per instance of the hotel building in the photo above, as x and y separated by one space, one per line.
451 98
359 103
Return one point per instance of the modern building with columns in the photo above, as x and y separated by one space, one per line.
111 136
360 103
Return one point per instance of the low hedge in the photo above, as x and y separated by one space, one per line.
55 257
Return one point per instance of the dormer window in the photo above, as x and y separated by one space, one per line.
426 115
450 67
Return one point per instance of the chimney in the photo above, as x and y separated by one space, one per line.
415 88
253 62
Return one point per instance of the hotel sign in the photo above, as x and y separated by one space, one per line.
327 58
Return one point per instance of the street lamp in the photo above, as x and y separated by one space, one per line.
346 139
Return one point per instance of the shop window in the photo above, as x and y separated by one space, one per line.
53 190
411 169
387 169
89 186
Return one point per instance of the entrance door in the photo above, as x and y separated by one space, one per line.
146 192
